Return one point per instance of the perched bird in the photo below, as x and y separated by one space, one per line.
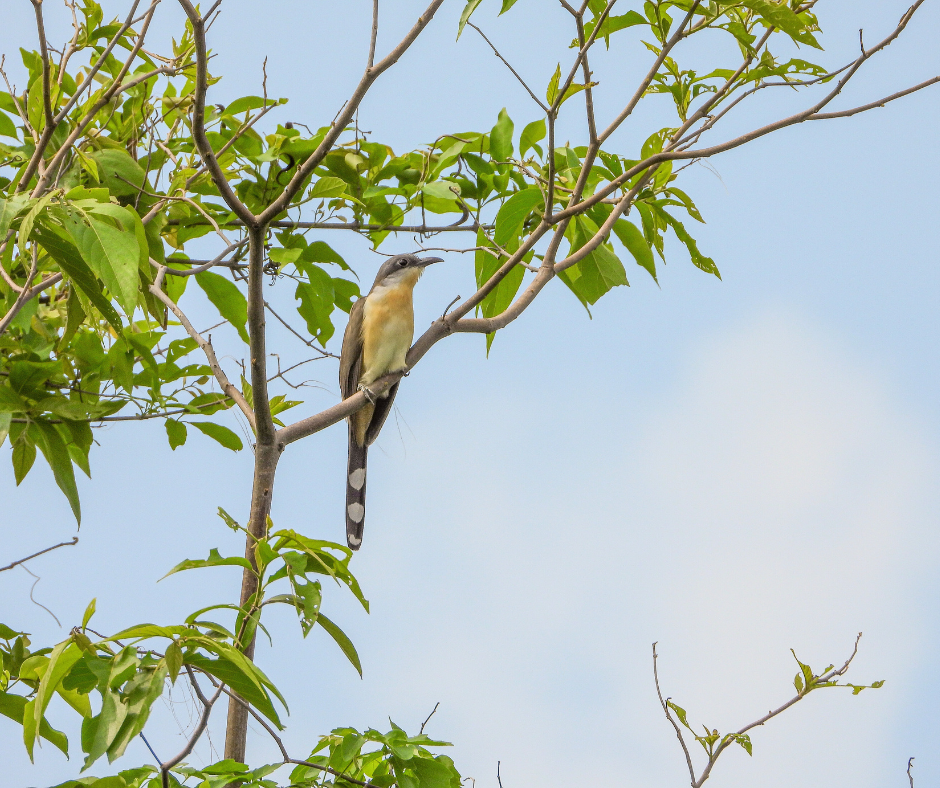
378 336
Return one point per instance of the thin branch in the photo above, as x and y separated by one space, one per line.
73 541
648 79
217 260
46 65
289 327
115 88
23 296
429 717
139 417
800 117
375 33
207 705
345 115
910 765
206 346
522 82
874 104
422 229
280 744
582 52
659 694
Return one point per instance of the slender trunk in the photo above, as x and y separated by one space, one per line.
266 457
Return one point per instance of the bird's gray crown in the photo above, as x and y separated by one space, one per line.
402 262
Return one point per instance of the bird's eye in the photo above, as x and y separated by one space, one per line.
402 263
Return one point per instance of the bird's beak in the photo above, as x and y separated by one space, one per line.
429 261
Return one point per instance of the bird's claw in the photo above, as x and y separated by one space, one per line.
370 395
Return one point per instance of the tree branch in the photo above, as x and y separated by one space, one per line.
285 755
73 541
522 82
206 347
207 705
346 114
659 694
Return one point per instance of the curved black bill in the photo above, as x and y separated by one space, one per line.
429 261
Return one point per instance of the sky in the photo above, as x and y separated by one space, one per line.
728 468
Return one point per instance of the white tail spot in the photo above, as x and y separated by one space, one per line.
357 478
356 512
354 541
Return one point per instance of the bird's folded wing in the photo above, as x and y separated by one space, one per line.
350 360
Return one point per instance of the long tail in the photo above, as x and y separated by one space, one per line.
355 492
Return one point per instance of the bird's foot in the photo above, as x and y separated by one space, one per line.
370 395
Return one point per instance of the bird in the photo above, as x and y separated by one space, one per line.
377 338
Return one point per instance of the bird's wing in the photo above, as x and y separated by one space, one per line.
350 359
382 408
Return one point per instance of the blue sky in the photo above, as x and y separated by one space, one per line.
729 468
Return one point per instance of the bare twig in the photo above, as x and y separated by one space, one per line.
910 765
730 738
73 541
429 717
207 704
280 744
515 73
206 345
659 694
375 33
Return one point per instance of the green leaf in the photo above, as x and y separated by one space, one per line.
248 103
781 16
507 4
138 697
317 299
228 299
89 612
611 25
175 433
328 186
214 559
123 176
236 671
551 92
531 134
465 16
680 713
598 272
513 213
57 455
5 419
105 725
15 707
24 454
174 660
61 660
634 242
111 253
74 266
485 265
7 129
745 741
501 137
10 208
698 259
342 641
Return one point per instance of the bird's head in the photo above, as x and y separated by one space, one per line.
402 268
